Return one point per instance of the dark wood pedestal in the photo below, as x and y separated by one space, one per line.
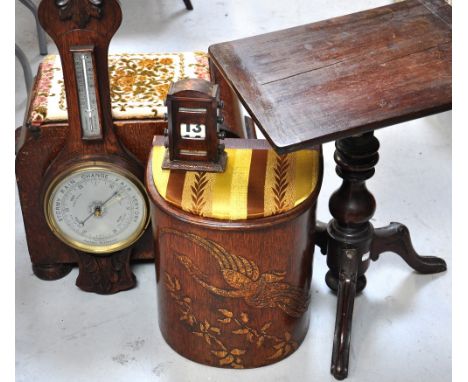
351 242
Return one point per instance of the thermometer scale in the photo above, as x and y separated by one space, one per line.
83 59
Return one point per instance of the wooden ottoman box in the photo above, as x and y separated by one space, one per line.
234 253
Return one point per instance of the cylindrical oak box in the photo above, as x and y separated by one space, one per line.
234 292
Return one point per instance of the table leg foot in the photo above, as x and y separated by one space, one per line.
347 284
188 5
396 238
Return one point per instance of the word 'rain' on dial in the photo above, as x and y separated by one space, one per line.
97 210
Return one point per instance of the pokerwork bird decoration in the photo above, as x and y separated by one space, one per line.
260 290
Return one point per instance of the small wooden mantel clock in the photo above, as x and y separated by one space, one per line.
193 132
92 193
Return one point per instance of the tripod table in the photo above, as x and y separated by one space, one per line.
339 80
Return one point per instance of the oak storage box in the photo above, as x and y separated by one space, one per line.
234 252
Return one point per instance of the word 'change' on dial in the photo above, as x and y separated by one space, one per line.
97 210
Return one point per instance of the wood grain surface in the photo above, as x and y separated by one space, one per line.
233 294
36 150
323 81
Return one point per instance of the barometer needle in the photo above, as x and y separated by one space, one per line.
109 198
99 207
84 221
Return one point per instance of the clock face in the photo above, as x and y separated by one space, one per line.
97 208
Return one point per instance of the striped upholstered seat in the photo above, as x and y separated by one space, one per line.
256 183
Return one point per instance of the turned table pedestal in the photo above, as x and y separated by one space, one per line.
339 80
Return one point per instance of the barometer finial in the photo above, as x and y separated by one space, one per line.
79 11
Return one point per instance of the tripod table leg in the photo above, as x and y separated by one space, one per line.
396 238
188 5
321 236
344 314
351 242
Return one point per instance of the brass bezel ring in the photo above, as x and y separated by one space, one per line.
94 249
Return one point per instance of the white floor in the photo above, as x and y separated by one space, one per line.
402 321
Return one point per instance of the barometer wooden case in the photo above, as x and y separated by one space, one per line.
94 208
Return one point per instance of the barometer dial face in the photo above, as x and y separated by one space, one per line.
97 208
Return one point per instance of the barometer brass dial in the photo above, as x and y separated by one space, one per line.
97 208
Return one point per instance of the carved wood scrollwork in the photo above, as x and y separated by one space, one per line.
79 11
105 274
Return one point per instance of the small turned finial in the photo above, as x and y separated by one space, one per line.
193 136
82 21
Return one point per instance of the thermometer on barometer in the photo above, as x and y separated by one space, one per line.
87 92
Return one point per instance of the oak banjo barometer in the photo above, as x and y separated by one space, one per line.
93 198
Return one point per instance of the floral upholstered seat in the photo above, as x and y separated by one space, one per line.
256 183
138 82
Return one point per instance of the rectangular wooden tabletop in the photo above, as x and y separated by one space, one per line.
327 80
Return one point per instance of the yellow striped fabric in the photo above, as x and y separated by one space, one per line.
256 183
